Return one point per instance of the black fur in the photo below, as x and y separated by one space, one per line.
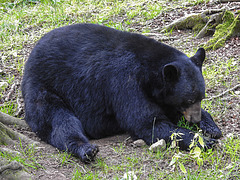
92 81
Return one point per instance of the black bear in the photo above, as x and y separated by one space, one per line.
89 81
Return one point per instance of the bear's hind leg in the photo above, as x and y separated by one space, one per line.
49 117
68 134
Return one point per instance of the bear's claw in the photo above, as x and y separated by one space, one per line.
87 152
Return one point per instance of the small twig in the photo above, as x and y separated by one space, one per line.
213 11
160 38
19 108
226 1
214 97
10 92
127 139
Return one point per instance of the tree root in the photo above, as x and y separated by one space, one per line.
221 23
7 136
13 170
196 21
9 120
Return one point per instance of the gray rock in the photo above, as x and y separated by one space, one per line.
159 145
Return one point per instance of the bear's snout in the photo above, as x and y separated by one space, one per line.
193 113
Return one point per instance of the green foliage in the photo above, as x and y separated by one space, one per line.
27 156
185 124
216 159
175 138
195 154
64 158
9 107
84 176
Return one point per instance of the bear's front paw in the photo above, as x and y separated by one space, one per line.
87 152
208 126
209 143
210 130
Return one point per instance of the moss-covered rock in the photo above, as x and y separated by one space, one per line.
192 21
228 28
220 23
195 21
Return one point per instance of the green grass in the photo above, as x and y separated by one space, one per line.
23 22
184 123
26 156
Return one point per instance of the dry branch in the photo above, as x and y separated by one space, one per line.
225 92
226 1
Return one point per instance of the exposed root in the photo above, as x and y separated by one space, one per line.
221 23
9 120
7 136
12 170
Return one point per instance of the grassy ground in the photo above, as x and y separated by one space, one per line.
23 22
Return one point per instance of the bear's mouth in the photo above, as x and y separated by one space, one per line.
193 113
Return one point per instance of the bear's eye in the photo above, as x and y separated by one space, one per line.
190 101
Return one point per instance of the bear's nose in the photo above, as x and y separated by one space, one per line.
193 113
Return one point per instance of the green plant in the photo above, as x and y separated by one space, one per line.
64 158
195 152
9 107
27 156
185 124
77 175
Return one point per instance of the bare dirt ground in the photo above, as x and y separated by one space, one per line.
228 117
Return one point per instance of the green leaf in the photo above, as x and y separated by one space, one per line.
181 166
200 161
195 135
201 142
173 144
172 161
197 152
192 144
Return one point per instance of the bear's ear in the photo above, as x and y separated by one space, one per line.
170 73
199 57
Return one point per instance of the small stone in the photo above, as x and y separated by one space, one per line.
229 135
130 175
159 145
3 84
139 143
237 92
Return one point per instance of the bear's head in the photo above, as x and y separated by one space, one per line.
184 86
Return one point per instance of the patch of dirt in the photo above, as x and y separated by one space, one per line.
113 147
